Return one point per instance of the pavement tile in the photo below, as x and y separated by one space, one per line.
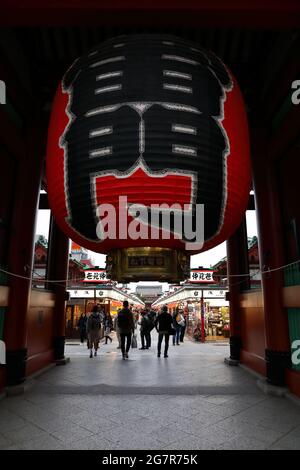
236 426
271 419
91 443
52 425
146 426
5 442
286 444
93 422
243 443
290 441
10 421
192 443
70 434
12 448
168 434
24 434
143 404
43 443
217 399
190 426
126 417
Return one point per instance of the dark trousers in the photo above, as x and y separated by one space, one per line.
82 335
177 334
125 336
146 335
182 333
160 338
149 339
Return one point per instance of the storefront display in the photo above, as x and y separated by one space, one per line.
108 299
206 312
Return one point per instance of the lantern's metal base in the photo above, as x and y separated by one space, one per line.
147 264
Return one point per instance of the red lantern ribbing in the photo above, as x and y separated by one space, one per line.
156 120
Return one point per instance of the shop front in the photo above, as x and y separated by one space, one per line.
81 301
206 312
216 320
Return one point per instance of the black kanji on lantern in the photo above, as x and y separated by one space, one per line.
147 100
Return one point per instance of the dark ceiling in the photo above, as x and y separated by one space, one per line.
44 54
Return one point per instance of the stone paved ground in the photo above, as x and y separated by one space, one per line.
190 401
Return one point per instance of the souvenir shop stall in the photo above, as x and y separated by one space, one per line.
206 311
82 300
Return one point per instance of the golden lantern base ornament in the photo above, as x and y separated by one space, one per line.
147 264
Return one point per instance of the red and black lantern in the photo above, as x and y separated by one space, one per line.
158 120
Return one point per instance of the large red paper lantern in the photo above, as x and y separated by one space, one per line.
153 118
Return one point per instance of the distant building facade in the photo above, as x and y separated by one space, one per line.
149 294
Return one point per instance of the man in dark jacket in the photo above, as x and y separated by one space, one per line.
81 325
145 330
126 328
152 317
163 325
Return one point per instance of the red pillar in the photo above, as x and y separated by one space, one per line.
270 241
202 318
237 263
20 258
58 263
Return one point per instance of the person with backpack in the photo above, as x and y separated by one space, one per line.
93 328
163 325
178 322
126 328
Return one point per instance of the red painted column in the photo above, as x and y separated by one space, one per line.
271 243
20 258
237 263
58 264
202 318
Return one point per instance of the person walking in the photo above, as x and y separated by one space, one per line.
126 327
183 327
163 324
81 325
135 315
152 317
177 319
145 330
93 328
107 323
117 330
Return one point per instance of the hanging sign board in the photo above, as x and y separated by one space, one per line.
202 276
95 276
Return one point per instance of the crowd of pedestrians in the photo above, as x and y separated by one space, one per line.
125 325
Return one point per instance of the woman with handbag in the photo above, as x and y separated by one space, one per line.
163 325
